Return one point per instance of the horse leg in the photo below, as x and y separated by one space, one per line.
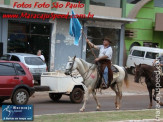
119 88
97 102
86 96
113 87
150 97
154 98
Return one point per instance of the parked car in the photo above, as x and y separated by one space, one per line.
16 82
143 55
34 63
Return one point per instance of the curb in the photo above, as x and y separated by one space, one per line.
144 120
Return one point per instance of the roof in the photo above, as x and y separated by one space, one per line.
150 49
109 18
23 54
123 20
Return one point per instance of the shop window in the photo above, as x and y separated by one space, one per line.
109 3
29 37
158 3
150 44
96 36
135 44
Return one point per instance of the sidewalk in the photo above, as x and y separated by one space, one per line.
133 89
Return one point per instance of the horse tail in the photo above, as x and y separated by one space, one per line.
126 78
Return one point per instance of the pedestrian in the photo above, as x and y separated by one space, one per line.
104 58
40 55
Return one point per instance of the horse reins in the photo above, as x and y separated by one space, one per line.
86 77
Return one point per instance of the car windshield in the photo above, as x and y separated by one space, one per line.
5 57
33 61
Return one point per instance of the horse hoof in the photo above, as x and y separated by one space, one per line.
117 108
81 110
97 109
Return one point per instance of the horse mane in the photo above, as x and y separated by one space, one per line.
87 64
149 66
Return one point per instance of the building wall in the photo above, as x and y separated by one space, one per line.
144 27
32 2
94 9
1 1
64 45
99 11
65 10
61 42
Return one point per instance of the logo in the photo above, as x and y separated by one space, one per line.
17 112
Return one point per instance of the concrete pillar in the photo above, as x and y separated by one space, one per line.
4 34
52 45
121 52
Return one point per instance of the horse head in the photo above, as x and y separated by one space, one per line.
138 73
71 65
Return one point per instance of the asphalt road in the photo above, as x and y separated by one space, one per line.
44 105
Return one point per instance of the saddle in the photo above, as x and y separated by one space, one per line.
100 81
114 69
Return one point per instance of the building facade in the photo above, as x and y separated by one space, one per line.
148 29
27 35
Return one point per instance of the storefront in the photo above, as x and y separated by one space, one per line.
52 36
96 36
28 37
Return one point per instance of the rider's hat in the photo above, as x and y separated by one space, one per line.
107 39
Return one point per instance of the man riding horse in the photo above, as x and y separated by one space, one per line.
104 60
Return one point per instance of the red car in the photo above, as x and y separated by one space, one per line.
16 82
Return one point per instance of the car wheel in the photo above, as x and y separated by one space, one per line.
133 70
76 96
55 96
20 97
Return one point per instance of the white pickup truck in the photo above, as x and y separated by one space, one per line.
59 84
142 55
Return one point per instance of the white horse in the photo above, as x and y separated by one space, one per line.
89 73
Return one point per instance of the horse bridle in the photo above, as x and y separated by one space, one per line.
70 70
141 74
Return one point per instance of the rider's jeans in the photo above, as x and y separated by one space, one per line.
105 75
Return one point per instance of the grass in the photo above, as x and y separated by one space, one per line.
99 116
